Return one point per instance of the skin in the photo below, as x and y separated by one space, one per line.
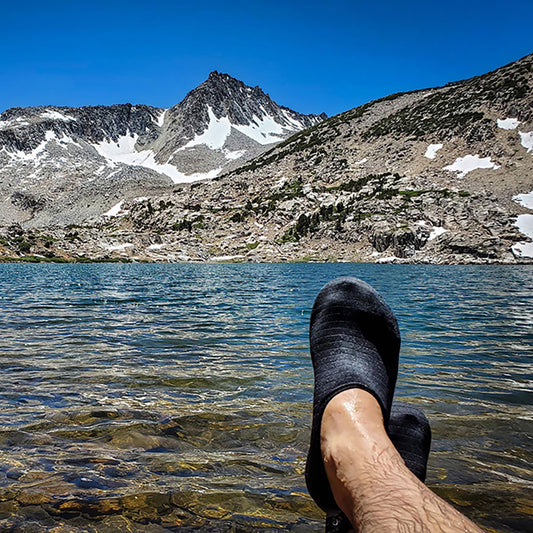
369 479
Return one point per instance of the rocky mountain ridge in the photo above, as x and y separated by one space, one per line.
443 175
62 165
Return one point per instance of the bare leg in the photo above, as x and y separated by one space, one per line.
368 477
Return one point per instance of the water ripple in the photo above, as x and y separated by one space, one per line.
177 397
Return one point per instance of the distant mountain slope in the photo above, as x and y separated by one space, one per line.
441 175
61 165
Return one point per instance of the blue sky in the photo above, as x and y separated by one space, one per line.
310 56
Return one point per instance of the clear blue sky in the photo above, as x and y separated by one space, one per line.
312 56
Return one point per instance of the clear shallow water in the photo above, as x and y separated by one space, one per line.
178 397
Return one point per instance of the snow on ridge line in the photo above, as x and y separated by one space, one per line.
508 123
468 163
432 149
56 115
161 118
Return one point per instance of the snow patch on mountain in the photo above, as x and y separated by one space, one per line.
524 223
13 123
432 149
119 247
436 232
216 133
161 118
115 210
123 151
508 123
468 163
525 200
526 140
56 115
263 130
295 123
234 155
36 153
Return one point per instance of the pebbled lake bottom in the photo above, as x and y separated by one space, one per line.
178 397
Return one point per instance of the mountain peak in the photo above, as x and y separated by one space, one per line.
226 97
228 87
216 75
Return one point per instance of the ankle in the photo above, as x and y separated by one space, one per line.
353 412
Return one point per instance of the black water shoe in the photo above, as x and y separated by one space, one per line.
355 343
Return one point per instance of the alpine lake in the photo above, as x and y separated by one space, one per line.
177 397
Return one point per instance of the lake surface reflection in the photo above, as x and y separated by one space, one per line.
178 397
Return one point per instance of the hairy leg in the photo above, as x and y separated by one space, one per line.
368 477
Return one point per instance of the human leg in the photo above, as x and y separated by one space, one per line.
410 433
370 481
352 462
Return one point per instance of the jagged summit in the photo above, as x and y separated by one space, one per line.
225 114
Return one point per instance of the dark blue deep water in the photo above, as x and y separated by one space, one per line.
178 397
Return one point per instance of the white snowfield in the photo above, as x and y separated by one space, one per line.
436 231
526 140
508 123
263 130
223 258
161 118
124 152
525 199
468 163
524 223
115 210
13 123
216 133
432 149
38 154
234 155
119 247
56 115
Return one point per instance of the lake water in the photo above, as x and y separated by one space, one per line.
178 397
